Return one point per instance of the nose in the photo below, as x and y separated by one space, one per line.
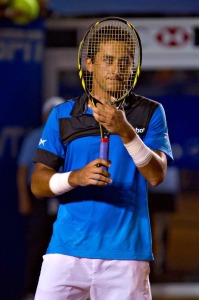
115 68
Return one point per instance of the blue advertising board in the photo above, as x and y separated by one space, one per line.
21 53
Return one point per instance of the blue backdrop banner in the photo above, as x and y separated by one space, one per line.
21 52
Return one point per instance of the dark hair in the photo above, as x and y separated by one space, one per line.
108 33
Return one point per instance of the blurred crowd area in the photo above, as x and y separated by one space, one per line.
169 82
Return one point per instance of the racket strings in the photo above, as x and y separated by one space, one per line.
120 66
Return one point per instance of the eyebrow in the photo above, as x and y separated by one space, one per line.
107 57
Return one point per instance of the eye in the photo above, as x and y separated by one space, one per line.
124 62
108 60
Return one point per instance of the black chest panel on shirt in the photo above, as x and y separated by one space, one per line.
138 109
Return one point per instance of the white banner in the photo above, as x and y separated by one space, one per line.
169 43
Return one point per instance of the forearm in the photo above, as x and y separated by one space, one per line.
40 181
154 172
46 182
151 164
127 133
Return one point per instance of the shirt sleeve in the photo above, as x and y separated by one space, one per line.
157 137
50 151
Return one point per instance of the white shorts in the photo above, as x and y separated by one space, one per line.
71 278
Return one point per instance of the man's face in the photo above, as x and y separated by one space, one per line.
111 69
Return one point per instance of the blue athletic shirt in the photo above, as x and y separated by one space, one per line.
109 222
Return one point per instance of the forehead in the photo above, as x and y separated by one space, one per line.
114 48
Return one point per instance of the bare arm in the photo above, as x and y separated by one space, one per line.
40 180
156 169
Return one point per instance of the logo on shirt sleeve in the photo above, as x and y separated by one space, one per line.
42 142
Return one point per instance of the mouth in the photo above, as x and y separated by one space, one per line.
117 82
113 78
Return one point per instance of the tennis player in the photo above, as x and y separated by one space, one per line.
101 242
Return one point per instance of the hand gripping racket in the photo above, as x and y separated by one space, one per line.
109 62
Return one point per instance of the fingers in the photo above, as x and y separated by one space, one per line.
101 100
100 177
93 174
101 104
103 112
100 162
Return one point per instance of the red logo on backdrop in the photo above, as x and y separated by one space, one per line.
173 36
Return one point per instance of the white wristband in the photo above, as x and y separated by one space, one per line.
140 153
58 183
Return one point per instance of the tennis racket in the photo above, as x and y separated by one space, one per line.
110 46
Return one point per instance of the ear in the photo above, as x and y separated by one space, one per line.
89 65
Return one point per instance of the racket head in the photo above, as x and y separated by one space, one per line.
126 57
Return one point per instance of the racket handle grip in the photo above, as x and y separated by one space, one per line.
104 150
